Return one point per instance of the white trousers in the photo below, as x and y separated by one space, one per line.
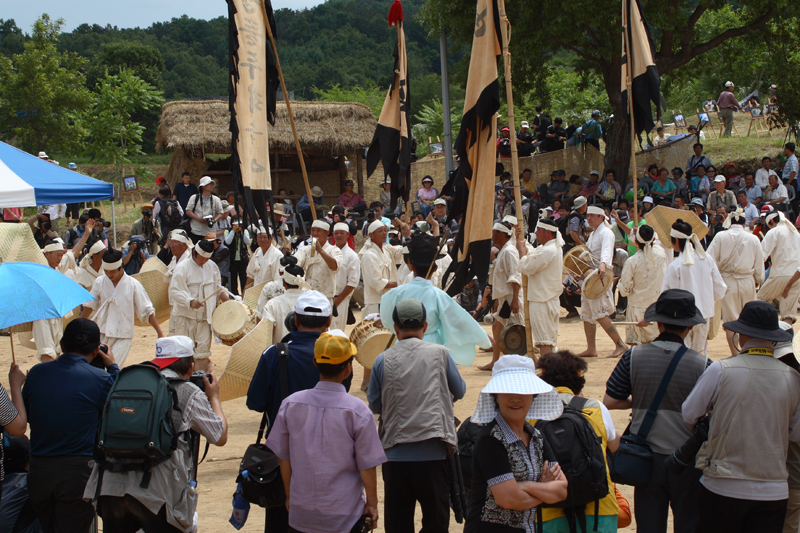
773 288
594 309
636 335
340 322
119 347
697 339
740 291
197 330
544 322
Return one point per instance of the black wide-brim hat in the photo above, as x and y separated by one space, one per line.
675 307
759 320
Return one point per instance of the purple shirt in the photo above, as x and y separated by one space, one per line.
329 436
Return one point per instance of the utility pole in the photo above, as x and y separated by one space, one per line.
448 133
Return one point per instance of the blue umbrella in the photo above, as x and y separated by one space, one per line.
43 292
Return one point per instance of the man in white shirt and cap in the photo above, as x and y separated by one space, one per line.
320 261
377 268
265 262
506 282
782 244
278 308
181 247
543 265
120 298
599 310
740 261
196 284
641 280
204 209
91 266
694 271
347 277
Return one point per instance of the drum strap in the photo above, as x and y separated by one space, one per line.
283 371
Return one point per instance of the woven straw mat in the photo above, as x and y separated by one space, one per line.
241 365
251 296
662 218
152 280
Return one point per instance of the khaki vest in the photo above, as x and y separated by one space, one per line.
417 404
749 434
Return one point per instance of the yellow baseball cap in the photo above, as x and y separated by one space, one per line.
333 348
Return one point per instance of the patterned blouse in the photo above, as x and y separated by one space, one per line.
500 455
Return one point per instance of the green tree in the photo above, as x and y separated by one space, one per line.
43 94
143 60
12 40
372 96
114 133
591 30
429 124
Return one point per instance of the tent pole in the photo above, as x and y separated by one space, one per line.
629 86
113 223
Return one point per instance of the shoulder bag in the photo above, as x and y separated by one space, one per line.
263 485
631 463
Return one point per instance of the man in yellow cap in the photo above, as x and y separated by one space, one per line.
336 455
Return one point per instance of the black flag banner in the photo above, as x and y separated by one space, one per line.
391 144
472 185
645 81
252 95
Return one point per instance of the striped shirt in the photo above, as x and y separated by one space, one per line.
7 415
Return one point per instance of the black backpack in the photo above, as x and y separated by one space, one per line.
468 434
563 226
505 146
572 442
170 213
544 122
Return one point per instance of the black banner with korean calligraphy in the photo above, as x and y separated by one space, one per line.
645 81
472 185
391 144
253 85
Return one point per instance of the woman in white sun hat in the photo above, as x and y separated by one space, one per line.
509 475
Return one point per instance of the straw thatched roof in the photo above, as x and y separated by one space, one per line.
323 127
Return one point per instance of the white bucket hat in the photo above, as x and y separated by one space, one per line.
516 374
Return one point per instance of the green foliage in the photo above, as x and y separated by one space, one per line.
372 96
12 39
43 94
114 133
784 57
429 124
143 60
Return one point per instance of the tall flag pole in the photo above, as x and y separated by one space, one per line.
505 27
641 84
391 144
253 85
472 186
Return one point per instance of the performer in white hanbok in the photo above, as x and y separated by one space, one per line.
91 266
265 263
377 268
193 292
782 244
599 310
641 280
694 271
181 247
740 261
347 277
543 266
321 261
276 309
119 298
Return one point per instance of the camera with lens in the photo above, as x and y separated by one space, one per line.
573 288
371 215
210 220
685 456
147 213
719 218
197 379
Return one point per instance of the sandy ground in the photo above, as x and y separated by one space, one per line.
216 475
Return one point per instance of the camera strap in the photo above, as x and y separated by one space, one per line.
282 349
650 416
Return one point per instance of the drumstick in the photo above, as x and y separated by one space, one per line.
211 295
626 323
444 241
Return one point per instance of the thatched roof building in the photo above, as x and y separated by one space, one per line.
198 133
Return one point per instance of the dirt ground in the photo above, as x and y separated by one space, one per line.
216 475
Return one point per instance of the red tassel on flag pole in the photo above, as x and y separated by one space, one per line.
395 13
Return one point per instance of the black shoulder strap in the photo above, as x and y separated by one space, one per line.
650 417
283 371
578 403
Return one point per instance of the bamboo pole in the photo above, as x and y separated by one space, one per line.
505 29
629 84
289 111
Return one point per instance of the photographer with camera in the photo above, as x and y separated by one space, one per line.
64 402
42 228
204 209
744 460
169 502
134 255
633 385
147 228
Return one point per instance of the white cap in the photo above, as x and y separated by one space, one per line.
594 172
719 178
728 84
341 226
321 224
579 202
312 303
523 124
648 199
42 155
205 180
178 346
439 201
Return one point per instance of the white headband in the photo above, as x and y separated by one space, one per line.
54 247
782 219
374 226
545 226
341 226
321 224
738 213
594 210
291 279
501 228
648 246
112 266
692 245
97 248
179 237
202 252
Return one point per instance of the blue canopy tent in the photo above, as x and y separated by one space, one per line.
27 181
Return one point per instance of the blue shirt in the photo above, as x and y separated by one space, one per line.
264 394
426 450
184 192
64 400
592 130
133 267
788 168
303 203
